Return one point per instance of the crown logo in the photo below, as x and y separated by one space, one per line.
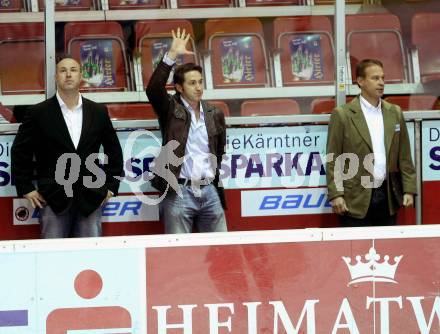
372 270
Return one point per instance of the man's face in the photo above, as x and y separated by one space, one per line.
192 88
68 75
372 84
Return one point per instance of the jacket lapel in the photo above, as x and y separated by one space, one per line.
86 122
360 122
57 119
209 120
388 126
180 110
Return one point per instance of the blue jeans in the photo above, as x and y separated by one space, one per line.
69 223
204 211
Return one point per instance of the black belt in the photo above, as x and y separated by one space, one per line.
198 183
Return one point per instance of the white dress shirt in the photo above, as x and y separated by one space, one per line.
374 117
197 164
73 119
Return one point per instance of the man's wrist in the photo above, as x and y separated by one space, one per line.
170 58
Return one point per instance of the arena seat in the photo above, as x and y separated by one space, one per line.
222 106
128 111
332 2
100 48
203 3
424 35
22 58
414 102
325 105
153 39
11 6
270 107
236 54
7 114
68 5
305 48
137 4
253 3
376 36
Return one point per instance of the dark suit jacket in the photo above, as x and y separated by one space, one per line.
348 133
175 122
44 134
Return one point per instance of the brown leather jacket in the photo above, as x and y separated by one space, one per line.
175 121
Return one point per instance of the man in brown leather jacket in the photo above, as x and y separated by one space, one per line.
197 134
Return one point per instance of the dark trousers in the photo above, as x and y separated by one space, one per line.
378 213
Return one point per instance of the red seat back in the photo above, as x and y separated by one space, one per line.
414 102
153 39
7 114
203 3
376 36
270 107
100 48
222 106
252 3
67 5
22 58
306 47
325 105
128 111
135 4
11 6
424 34
238 54
332 2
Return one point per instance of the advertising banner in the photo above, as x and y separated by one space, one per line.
117 209
275 157
5 4
237 59
6 184
430 171
97 64
363 286
282 202
431 150
306 57
83 291
372 280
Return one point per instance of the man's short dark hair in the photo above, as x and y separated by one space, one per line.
61 56
364 64
179 72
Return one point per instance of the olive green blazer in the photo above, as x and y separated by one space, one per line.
348 133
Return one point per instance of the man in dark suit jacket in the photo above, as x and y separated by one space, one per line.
65 134
374 132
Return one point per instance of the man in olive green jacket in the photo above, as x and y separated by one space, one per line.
370 173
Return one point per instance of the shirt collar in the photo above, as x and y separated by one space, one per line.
63 104
368 106
188 106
